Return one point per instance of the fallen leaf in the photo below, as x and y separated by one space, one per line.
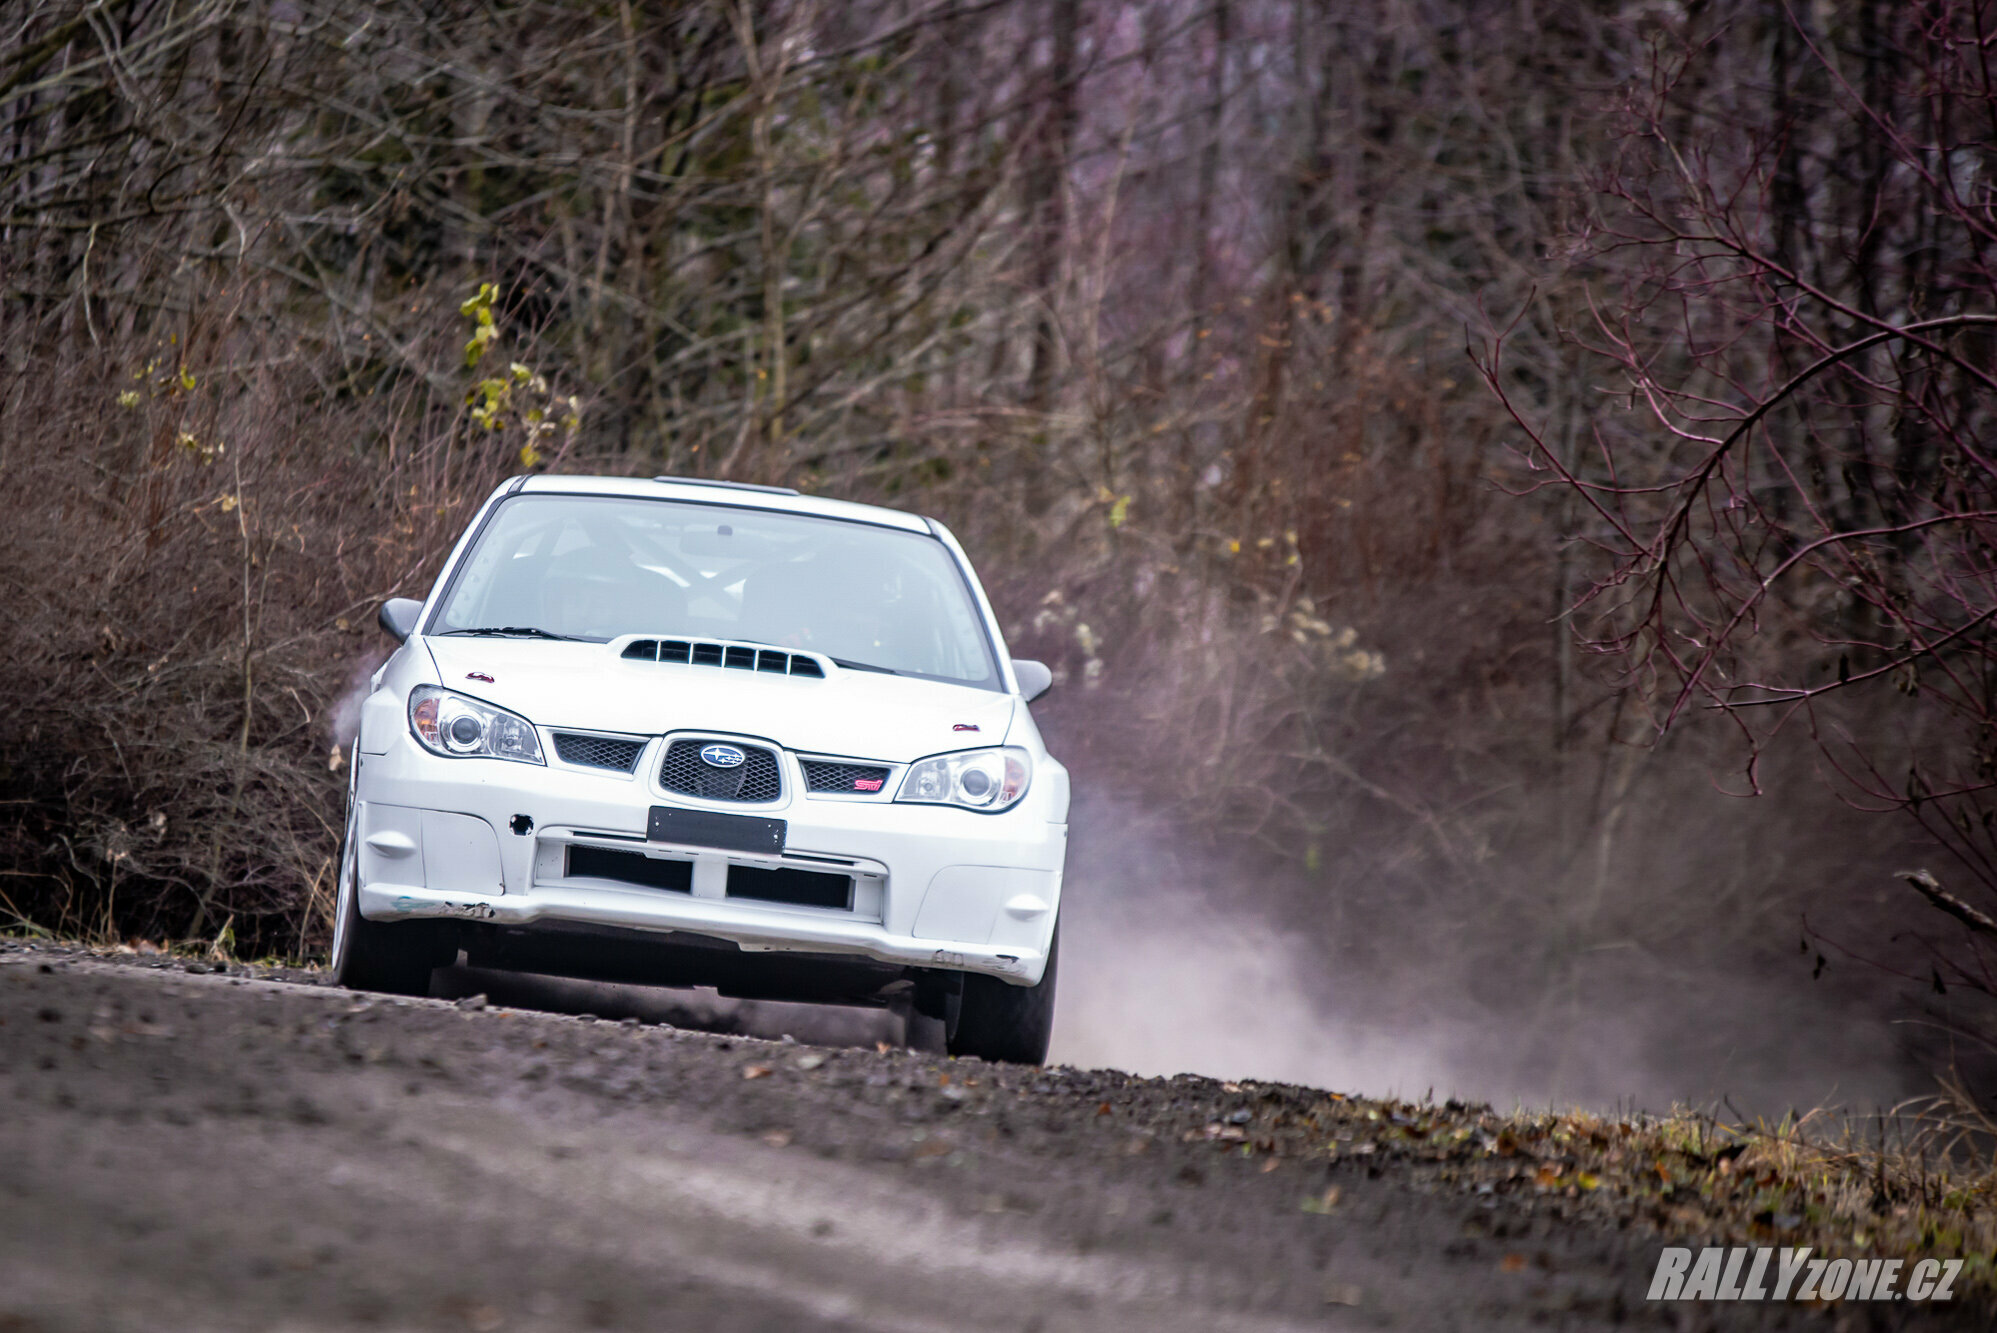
1322 1203
757 1071
1512 1263
1269 1164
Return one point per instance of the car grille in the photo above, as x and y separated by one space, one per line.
803 888
756 779
597 751
739 656
853 779
631 868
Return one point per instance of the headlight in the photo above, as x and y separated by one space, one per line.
465 728
988 780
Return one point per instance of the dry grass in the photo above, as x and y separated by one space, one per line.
1917 1183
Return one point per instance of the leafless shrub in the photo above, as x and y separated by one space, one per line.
193 557
1792 520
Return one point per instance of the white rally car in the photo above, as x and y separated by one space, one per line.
685 733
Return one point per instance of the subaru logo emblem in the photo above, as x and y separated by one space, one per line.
721 756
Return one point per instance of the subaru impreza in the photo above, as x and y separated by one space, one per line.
687 733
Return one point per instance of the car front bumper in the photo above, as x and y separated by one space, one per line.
486 840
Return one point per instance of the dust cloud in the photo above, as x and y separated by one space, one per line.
344 717
1174 961
1165 981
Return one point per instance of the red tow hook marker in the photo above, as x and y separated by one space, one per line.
480 675
965 726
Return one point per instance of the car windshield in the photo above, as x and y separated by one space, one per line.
595 567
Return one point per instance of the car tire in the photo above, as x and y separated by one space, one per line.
369 955
1003 1022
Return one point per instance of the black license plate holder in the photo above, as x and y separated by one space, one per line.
711 828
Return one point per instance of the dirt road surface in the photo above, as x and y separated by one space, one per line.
230 1150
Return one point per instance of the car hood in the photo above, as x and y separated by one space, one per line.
854 714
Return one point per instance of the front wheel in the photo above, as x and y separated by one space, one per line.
998 1021
368 955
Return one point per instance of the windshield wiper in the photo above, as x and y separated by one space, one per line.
521 631
866 666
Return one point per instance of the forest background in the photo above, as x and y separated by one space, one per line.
1506 489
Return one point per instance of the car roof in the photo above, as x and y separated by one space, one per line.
724 493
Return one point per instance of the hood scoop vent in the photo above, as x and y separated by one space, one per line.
732 656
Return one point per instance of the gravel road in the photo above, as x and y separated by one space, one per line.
240 1149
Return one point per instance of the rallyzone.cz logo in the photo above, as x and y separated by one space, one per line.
1743 1274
